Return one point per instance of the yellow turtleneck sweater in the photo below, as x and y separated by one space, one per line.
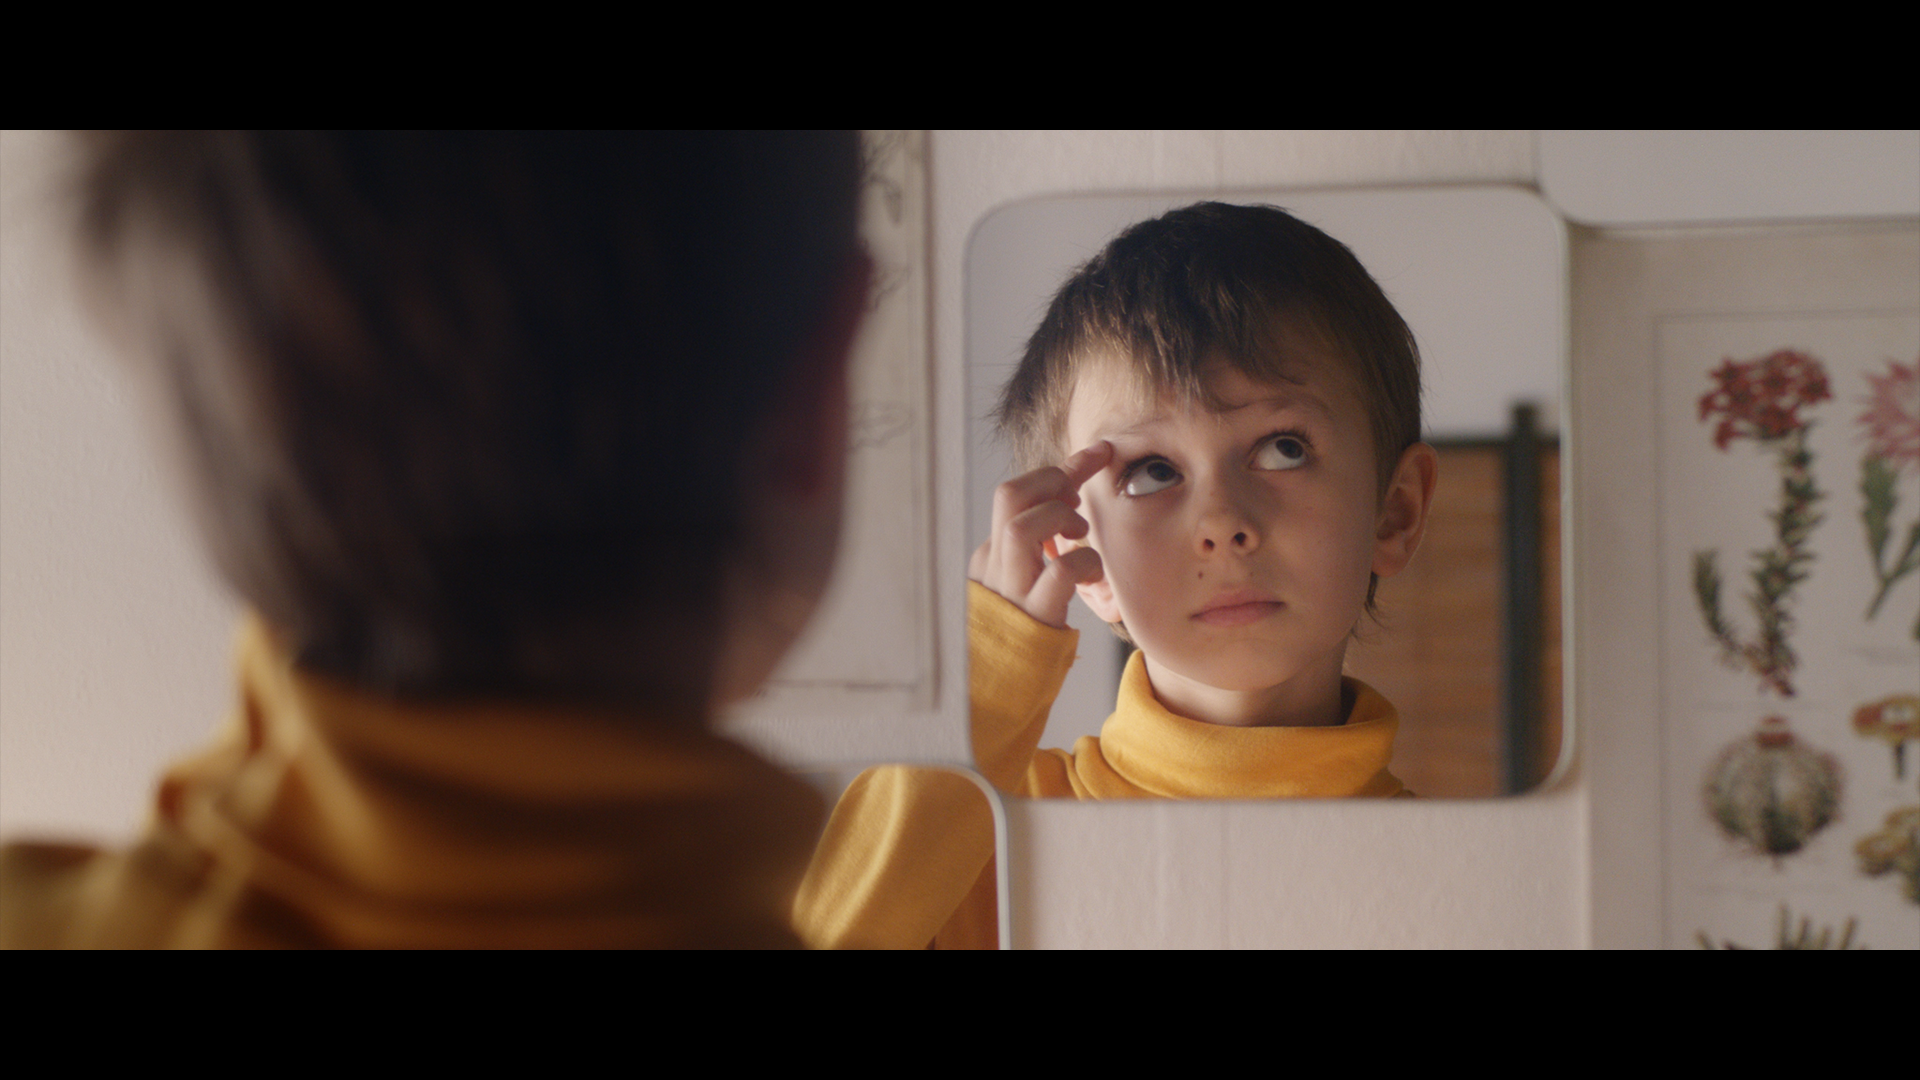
907 856
325 816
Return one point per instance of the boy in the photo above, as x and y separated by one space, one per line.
527 453
1241 403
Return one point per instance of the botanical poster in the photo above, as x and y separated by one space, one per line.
1790 539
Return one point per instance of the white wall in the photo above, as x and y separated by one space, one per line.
113 634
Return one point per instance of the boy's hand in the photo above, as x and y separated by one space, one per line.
1021 559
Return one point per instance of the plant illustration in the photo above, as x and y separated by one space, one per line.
1895 849
1891 427
1761 400
1789 938
1770 791
1895 720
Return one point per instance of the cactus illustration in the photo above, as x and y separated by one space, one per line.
1771 792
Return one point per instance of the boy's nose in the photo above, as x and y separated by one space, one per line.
1225 528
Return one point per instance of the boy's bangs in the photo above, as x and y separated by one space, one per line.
1170 299
1179 368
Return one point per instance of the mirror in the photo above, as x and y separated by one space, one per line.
1467 642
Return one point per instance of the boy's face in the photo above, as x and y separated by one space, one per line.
1236 544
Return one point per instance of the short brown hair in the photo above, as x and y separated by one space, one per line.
473 417
1211 281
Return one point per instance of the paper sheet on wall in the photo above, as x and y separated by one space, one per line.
869 650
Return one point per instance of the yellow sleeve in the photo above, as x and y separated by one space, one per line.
1017 665
907 854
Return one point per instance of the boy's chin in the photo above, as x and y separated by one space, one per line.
1254 668
1235 678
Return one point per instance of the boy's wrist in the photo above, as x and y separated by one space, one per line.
1006 643
1001 613
1017 665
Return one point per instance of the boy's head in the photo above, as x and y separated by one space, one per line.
1209 283
1262 399
493 413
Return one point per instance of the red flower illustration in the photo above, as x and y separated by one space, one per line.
1892 418
1761 398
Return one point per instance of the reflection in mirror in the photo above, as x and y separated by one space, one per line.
1466 641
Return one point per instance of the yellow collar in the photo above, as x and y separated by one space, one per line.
361 820
1165 755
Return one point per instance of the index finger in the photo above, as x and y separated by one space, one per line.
1082 466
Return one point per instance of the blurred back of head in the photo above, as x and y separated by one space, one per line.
474 413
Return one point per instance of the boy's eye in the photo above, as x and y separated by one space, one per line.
1281 452
1149 477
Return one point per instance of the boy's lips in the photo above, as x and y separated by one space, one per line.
1238 608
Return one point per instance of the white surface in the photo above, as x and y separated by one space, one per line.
1623 178
114 634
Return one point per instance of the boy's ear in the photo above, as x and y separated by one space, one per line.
1403 510
1097 593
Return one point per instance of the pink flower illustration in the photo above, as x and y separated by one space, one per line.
1892 419
1891 427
